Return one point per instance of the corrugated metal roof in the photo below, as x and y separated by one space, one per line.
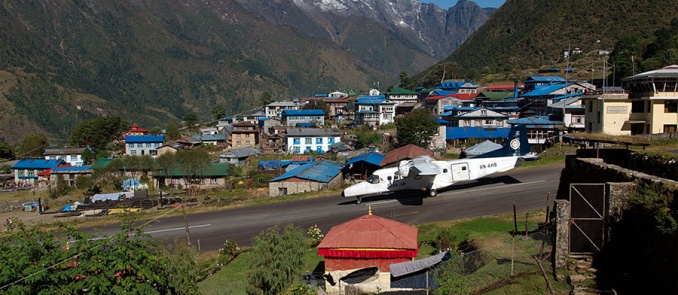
213 137
371 231
103 162
211 170
240 153
320 171
370 99
303 113
64 151
665 72
401 91
534 120
72 169
409 151
546 90
144 138
37 164
452 133
371 158
544 79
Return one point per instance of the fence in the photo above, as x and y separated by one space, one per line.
488 267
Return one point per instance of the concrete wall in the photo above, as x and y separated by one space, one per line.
297 186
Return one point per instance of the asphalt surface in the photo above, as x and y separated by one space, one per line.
528 188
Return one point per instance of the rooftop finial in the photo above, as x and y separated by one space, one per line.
369 209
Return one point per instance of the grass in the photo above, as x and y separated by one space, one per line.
232 280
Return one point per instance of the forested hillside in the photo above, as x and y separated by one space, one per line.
529 34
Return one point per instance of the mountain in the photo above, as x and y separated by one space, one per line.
525 34
150 62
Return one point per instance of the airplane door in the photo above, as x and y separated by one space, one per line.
460 172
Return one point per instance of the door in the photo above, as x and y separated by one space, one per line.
460 172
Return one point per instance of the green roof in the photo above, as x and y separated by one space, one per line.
101 163
213 170
498 95
399 90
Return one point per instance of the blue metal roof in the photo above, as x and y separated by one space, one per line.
453 133
144 138
303 113
574 96
546 79
37 164
447 114
542 91
443 92
71 168
370 99
530 122
320 171
371 158
305 124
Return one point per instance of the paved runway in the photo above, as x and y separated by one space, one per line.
527 187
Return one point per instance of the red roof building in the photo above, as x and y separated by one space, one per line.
368 241
407 152
135 130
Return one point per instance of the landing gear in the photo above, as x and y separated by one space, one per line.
432 193
359 200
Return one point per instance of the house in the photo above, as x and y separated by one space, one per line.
314 176
650 107
274 110
238 157
402 96
253 118
407 152
140 145
209 131
172 147
72 156
213 139
187 142
502 87
537 101
26 170
364 243
374 111
362 166
68 173
571 112
302 140
541 130
245 134
212 176
481 117
302 118
135 130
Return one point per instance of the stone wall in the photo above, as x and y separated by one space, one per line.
297 186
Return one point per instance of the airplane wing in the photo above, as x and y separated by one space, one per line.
424 166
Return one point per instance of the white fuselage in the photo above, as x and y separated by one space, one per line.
450 172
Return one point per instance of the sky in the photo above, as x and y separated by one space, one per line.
449 3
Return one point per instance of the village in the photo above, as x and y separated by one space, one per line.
307 144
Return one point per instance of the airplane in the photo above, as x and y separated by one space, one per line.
427 174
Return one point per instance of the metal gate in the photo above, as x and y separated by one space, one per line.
587 217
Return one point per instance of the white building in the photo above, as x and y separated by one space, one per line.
302 140
374 111
274 110
72 156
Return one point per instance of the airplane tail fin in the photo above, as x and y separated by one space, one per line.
516 145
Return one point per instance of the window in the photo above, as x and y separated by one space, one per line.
133 152
669 128
330 140
373 179
296 141
319 149
157 144
130 145
308 140
319 140
296 149
140 145
308 149
153 152
670 106
148 144
637 106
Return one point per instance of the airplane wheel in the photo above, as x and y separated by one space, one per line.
432 193
358 201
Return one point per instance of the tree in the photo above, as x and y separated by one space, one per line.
32 146
190 121
366 137
266 98
416 127
98 132
191 163
172 131
6 151
164 164
218 111
155 131
68 261
282 252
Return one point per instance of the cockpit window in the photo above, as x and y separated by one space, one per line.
374 179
